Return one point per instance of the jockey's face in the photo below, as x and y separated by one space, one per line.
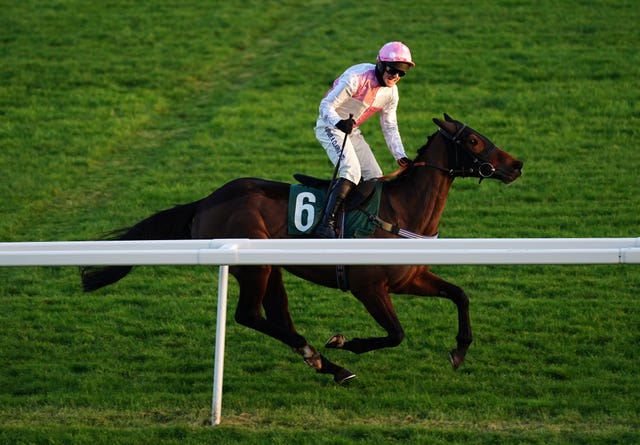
390 79
391 75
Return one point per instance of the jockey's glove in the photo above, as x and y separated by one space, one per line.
346 125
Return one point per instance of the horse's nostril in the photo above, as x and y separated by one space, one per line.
518 165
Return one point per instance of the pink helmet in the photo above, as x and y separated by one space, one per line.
395 52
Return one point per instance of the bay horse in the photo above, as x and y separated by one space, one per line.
257 209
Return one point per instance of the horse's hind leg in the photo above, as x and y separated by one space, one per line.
276 302
262 287
256 289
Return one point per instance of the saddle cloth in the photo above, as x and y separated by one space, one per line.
306 204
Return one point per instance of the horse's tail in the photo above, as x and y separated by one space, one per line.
167 224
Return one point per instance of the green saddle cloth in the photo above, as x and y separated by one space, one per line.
306 205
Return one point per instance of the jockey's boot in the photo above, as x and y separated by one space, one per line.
326 228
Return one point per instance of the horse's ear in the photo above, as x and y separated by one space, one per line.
447 126
448 118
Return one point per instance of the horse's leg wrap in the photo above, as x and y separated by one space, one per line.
310 355
323 365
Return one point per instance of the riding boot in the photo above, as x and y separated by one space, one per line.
326 228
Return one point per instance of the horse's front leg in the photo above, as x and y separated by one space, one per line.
377 301
429 284
464 337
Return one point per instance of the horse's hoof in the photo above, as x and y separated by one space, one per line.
343 376
335 342
455 360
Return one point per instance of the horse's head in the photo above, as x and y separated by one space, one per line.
470 154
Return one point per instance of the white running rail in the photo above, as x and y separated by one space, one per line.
323 252
226 252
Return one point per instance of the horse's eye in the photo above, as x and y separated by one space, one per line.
473 141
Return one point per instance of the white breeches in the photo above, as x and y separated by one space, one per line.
358 161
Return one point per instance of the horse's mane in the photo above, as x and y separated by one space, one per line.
421 151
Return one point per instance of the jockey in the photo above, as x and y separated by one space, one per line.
361 91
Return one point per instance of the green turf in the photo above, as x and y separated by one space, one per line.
110 111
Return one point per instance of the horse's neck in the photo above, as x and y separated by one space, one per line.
417 205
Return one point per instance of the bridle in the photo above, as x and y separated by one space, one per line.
481 165
481 161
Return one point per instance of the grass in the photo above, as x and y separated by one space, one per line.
112 111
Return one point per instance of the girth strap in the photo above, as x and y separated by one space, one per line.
341 269
392 228
386 226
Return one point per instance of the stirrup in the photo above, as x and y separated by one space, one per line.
325 231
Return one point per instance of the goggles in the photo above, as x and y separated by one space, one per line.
392 71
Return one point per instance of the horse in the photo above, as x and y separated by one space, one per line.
256 208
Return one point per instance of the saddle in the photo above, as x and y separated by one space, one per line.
359 196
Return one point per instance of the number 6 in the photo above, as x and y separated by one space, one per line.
304 210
